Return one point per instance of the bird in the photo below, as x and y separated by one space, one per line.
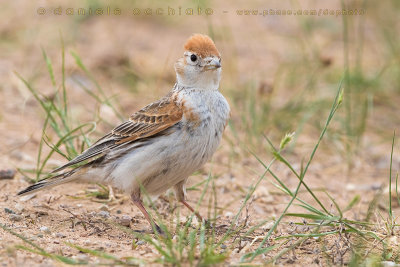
162 144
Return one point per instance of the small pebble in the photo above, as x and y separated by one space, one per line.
104 208
119 211
104 214
87 243
82 257
42 213
267 226
140 242
228 214
125 220
20 208
223 246
60 235
9 211
388 263
40 235
45 229
92 213
7 174
15 217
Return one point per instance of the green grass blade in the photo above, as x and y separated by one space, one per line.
308 235
279 157
49 67
397 191
64 89
103 255
315 217
390 177
38 250
352 203
59 258
335 203
83 67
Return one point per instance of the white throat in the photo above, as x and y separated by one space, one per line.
208 80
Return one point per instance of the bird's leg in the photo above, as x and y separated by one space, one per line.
111 195
139 203
192 210
180 196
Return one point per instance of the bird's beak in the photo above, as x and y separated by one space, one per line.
213 64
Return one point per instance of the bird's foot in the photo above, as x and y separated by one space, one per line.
207 223
158 230
141 231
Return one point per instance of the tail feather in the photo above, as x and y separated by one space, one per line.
48 183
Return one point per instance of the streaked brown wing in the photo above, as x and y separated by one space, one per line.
147 122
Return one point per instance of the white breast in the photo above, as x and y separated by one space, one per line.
213 111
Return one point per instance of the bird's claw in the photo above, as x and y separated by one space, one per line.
159 231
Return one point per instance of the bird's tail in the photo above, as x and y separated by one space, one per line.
53 181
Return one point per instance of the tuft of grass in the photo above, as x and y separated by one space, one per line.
36 249
101 193
191 244
72 135
316 214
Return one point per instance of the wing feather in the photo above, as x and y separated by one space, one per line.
145 123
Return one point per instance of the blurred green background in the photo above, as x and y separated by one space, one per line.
280 71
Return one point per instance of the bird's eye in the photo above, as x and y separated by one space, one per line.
193 57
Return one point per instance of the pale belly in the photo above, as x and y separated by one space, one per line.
165 161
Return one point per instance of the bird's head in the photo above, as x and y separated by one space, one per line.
200 65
